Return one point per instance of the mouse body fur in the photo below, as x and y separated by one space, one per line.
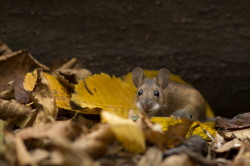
159 96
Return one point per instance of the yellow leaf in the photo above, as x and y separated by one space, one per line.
59 91
126 131
105 92
165 122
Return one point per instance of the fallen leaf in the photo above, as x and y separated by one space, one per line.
243 157
96 142
13 110
194 144
238 122
23 156
70 77
4 49
153 157
14 66
59 91
58 129
176 134
72 63
233 144
243 134
9 93
126 131
105 92
178 160
44 100
165 122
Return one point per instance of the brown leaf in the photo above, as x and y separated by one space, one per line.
4 49
9 93
243 157
70 77
23 156
96 142
39 155
64 129
238 122
44 100
14 66
194 144
12 109
153 157
176 134
243 134
68 65
178 160
233 144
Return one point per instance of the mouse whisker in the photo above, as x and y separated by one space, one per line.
167 106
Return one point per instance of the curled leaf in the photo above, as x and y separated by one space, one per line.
14 66
44 100
4 49
70 77
9 93
238 122
58 129
95 143
59 91
12 109
126 131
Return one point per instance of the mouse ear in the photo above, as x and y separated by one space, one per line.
163 78
137 76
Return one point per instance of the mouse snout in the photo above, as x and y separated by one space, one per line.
146 105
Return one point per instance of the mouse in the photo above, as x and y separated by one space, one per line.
159 96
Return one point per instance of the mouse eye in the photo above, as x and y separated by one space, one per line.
140 92
156 93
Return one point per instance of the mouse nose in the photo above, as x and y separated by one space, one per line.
145 107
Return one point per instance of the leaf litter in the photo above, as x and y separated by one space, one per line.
67 116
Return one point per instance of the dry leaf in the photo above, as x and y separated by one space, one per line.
105 92
126 131
95 143
58 129
233 144
193 144
12 109
243 134
14 66
68 65
23 156
238 122
44 100
178 160
4 49
176 134
9 93
243 157
59 91
70 77
153 157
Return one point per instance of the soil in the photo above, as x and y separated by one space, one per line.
205 42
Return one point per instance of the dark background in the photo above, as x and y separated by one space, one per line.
206 42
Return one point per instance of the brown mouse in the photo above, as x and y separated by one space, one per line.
159 96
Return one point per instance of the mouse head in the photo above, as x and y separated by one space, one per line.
150 95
